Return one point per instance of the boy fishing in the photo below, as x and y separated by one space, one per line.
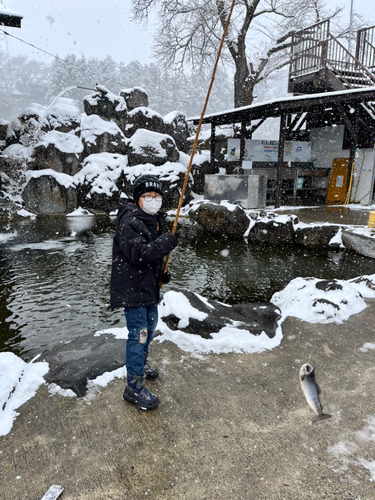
139 248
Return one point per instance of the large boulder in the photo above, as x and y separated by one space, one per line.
177 127
316 236
48 193
143 118
105 104
73 364
101 136
64 115
58 151
100 181
134 97
146 146
208 316
221 219
274 229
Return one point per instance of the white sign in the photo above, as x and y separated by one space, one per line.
267 151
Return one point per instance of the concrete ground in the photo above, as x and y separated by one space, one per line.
230 426
333 214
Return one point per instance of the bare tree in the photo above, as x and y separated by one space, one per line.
189 32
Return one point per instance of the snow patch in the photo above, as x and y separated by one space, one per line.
302 299
19 382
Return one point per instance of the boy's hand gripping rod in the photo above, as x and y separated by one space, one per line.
198 132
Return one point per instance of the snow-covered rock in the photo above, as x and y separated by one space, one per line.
64 115
143 118
19 382
176 126
146 146
274 229
100 180
49 193
134 97
322 235
58 151
319 301
101 136
106 105
221 219
197 324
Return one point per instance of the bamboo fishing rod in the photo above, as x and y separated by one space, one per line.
198 130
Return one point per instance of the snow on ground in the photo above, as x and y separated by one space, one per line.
302 299
19 382
231 338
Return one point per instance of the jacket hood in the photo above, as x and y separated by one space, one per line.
126 208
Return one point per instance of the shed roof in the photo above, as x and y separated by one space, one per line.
9 17
293 104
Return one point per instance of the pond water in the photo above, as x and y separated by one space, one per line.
55 276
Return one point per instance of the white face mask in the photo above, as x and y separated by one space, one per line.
151 207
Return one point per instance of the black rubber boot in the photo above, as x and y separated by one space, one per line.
150 372
136 393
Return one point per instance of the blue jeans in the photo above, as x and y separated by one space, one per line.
141 323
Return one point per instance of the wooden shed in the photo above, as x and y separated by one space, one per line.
332 89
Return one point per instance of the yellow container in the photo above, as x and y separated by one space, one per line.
371 221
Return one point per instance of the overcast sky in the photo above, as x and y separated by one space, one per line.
97 28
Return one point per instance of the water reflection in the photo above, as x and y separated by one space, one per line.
55 276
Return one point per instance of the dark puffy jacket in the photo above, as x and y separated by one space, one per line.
137 257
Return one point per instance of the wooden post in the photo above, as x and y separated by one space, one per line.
280 160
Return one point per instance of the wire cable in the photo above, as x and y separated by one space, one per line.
81 68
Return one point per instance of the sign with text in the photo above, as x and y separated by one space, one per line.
267 151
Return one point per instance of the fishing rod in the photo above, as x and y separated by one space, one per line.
199 129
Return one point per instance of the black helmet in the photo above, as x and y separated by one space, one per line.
145 184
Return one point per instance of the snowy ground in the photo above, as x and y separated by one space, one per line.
19 381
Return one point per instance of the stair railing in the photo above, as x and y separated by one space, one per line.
350 70
365 49
309 49
315 49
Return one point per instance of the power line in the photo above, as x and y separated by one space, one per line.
57 57
81 68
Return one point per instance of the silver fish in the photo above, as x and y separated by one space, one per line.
311 391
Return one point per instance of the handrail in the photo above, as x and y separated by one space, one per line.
357 62
317 49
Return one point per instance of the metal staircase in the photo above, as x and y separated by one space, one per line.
320 63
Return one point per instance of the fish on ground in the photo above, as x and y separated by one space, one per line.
311 391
